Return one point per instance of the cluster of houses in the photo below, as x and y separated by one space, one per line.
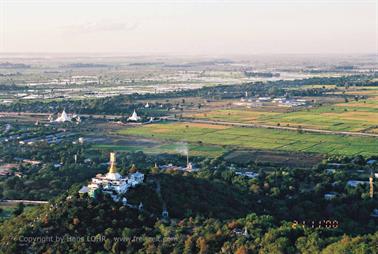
170 167
353 183
279 101
248 174
113 183
284 102
9 170
188 168
12 169
51 138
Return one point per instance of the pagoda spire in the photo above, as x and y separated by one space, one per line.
112 168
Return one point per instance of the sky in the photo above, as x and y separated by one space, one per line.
189 27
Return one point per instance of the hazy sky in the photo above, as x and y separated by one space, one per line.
189 27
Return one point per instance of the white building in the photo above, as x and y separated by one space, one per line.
374 213
112 183
134 117
355 183
136 179
264 99
63 117
248 174
330 195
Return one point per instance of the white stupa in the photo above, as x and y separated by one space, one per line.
63 118
134 117
147 105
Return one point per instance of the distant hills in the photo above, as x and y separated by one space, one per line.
84 65
8 65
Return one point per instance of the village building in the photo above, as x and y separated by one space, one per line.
248 174
374 213
330 195
355 183
9 169
189 166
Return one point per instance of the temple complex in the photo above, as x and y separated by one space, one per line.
112 183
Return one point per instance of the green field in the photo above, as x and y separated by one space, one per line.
357 114
258 138
352 116
341 117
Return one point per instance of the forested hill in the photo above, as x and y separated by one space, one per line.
74 224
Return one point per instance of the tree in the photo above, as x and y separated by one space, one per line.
241 250
108 244
189 245
115 248
202 245
310 244
19 209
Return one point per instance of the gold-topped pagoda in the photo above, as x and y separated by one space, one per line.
112 168
113 183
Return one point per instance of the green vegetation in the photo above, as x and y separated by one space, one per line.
201 223
210 209
258 138
336 118
7 210
357 112
170 148
43 182
352 116
235 115
126 103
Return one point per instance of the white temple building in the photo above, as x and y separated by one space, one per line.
63 117
112 183
134 117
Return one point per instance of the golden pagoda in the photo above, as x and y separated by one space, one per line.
113 174
112 168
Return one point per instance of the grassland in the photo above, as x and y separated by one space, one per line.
340 117
257 138
235 115
351 116
356 115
